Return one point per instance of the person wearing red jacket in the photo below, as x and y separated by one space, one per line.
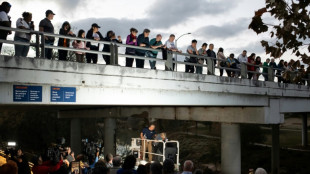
251 61
45 167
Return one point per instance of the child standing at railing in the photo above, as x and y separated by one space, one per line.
78 44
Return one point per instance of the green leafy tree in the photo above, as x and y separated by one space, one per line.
290 33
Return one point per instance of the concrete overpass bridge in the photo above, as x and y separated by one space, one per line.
78 90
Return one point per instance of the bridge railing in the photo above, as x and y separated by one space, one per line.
170 63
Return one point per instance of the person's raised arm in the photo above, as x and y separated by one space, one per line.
141 135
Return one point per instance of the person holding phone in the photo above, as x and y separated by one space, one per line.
25 23
93 33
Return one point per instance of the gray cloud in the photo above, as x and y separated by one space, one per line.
225 31
168 13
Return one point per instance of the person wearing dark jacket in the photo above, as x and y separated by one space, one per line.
46 26
131 40
143 41
22 163
94 34
66 31
5 21
211 53
106 48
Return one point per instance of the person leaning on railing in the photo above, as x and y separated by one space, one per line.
202 52
5 21
211 53
222 62
93 33
258 62
265 69
251 62
131 40
191 49
143 41
170 45
63 42
26 24
110 37
280 71
78 44
155 43
231 63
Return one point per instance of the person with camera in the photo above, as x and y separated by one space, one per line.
46 167
5 21
25 23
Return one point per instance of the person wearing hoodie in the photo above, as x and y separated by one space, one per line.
110 37
63 42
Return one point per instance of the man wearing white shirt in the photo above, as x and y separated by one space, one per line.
170 45
5 21
26 24
243 57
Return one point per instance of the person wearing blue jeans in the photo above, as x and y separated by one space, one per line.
201 52
155 43
47 26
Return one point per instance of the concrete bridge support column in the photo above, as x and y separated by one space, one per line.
275 163
109 136
305 130
230 148
75 135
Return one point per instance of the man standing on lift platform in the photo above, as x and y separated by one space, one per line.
147 133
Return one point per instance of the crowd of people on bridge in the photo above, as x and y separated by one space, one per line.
231 63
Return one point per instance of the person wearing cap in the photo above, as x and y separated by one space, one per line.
156 44
5 21
93 33
143 41
47 26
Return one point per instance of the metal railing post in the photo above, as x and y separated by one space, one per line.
37 45
116 54
42 46
270 74
211 68
112 57
169 62
244 71
308 81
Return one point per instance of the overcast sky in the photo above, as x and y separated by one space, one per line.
222 22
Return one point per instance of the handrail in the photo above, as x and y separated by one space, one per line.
164 146
114 55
